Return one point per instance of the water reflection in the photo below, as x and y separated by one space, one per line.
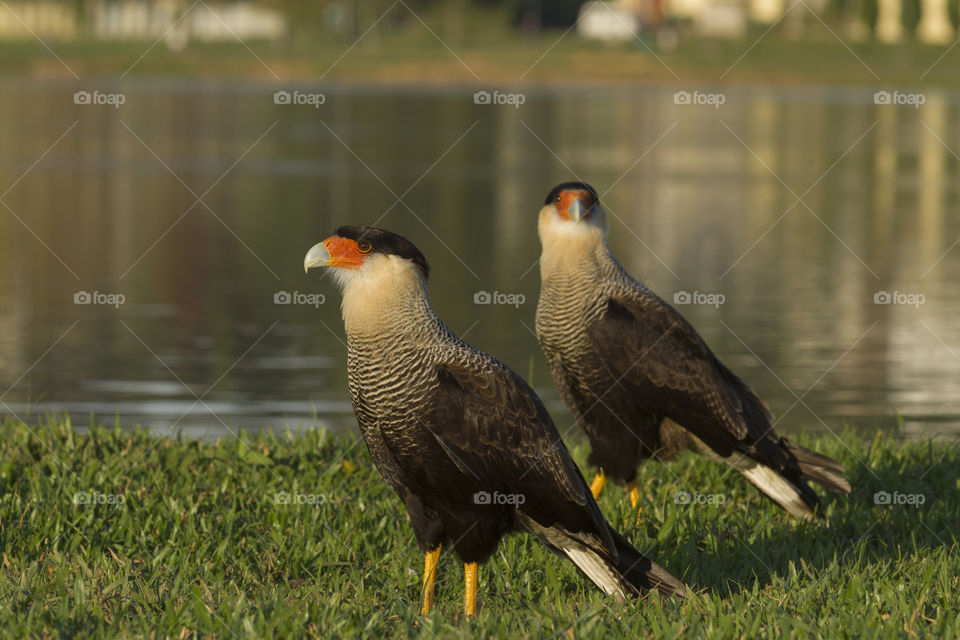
196 202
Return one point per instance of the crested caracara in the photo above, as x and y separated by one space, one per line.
464 442
639 379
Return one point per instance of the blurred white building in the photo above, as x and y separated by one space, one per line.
174 20
618 20
608 21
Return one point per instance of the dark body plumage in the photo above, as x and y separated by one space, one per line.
639 379
450 429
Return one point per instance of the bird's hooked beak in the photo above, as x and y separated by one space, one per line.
317 256
576 210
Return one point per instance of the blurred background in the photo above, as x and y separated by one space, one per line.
786 173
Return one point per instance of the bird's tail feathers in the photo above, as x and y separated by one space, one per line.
825 471
643 574
630 574
787 487
599 570
795 497
620 571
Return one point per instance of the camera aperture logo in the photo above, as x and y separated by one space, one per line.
98 297
885 498
95 497
299 97
685 497
898 98
699 98
96 97
313 499
497 498
699 297
897 297
511 99
311 299
497 297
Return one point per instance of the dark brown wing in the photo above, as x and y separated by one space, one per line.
671 372
495 428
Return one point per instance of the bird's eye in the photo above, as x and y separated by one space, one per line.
364 247
557 199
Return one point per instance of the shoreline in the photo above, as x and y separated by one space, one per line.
371 85
545 63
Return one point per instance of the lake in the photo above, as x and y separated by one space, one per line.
148 242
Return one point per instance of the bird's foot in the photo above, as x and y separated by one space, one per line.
597 485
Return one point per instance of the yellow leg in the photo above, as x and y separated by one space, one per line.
634 499
597 485
470 588
430 560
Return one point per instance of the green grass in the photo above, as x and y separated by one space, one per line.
200 546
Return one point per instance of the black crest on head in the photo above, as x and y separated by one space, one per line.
571 186
387 243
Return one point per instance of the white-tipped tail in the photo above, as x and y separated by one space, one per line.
774 485
597 569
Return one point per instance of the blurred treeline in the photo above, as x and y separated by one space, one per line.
453 19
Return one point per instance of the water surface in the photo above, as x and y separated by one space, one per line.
197 201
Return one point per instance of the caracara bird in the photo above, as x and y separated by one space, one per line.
464 442
639 379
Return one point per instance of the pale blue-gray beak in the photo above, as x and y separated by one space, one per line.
576 210
318 256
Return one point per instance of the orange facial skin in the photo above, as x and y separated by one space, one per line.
566 198
344 252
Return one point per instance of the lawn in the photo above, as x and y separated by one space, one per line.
120 534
